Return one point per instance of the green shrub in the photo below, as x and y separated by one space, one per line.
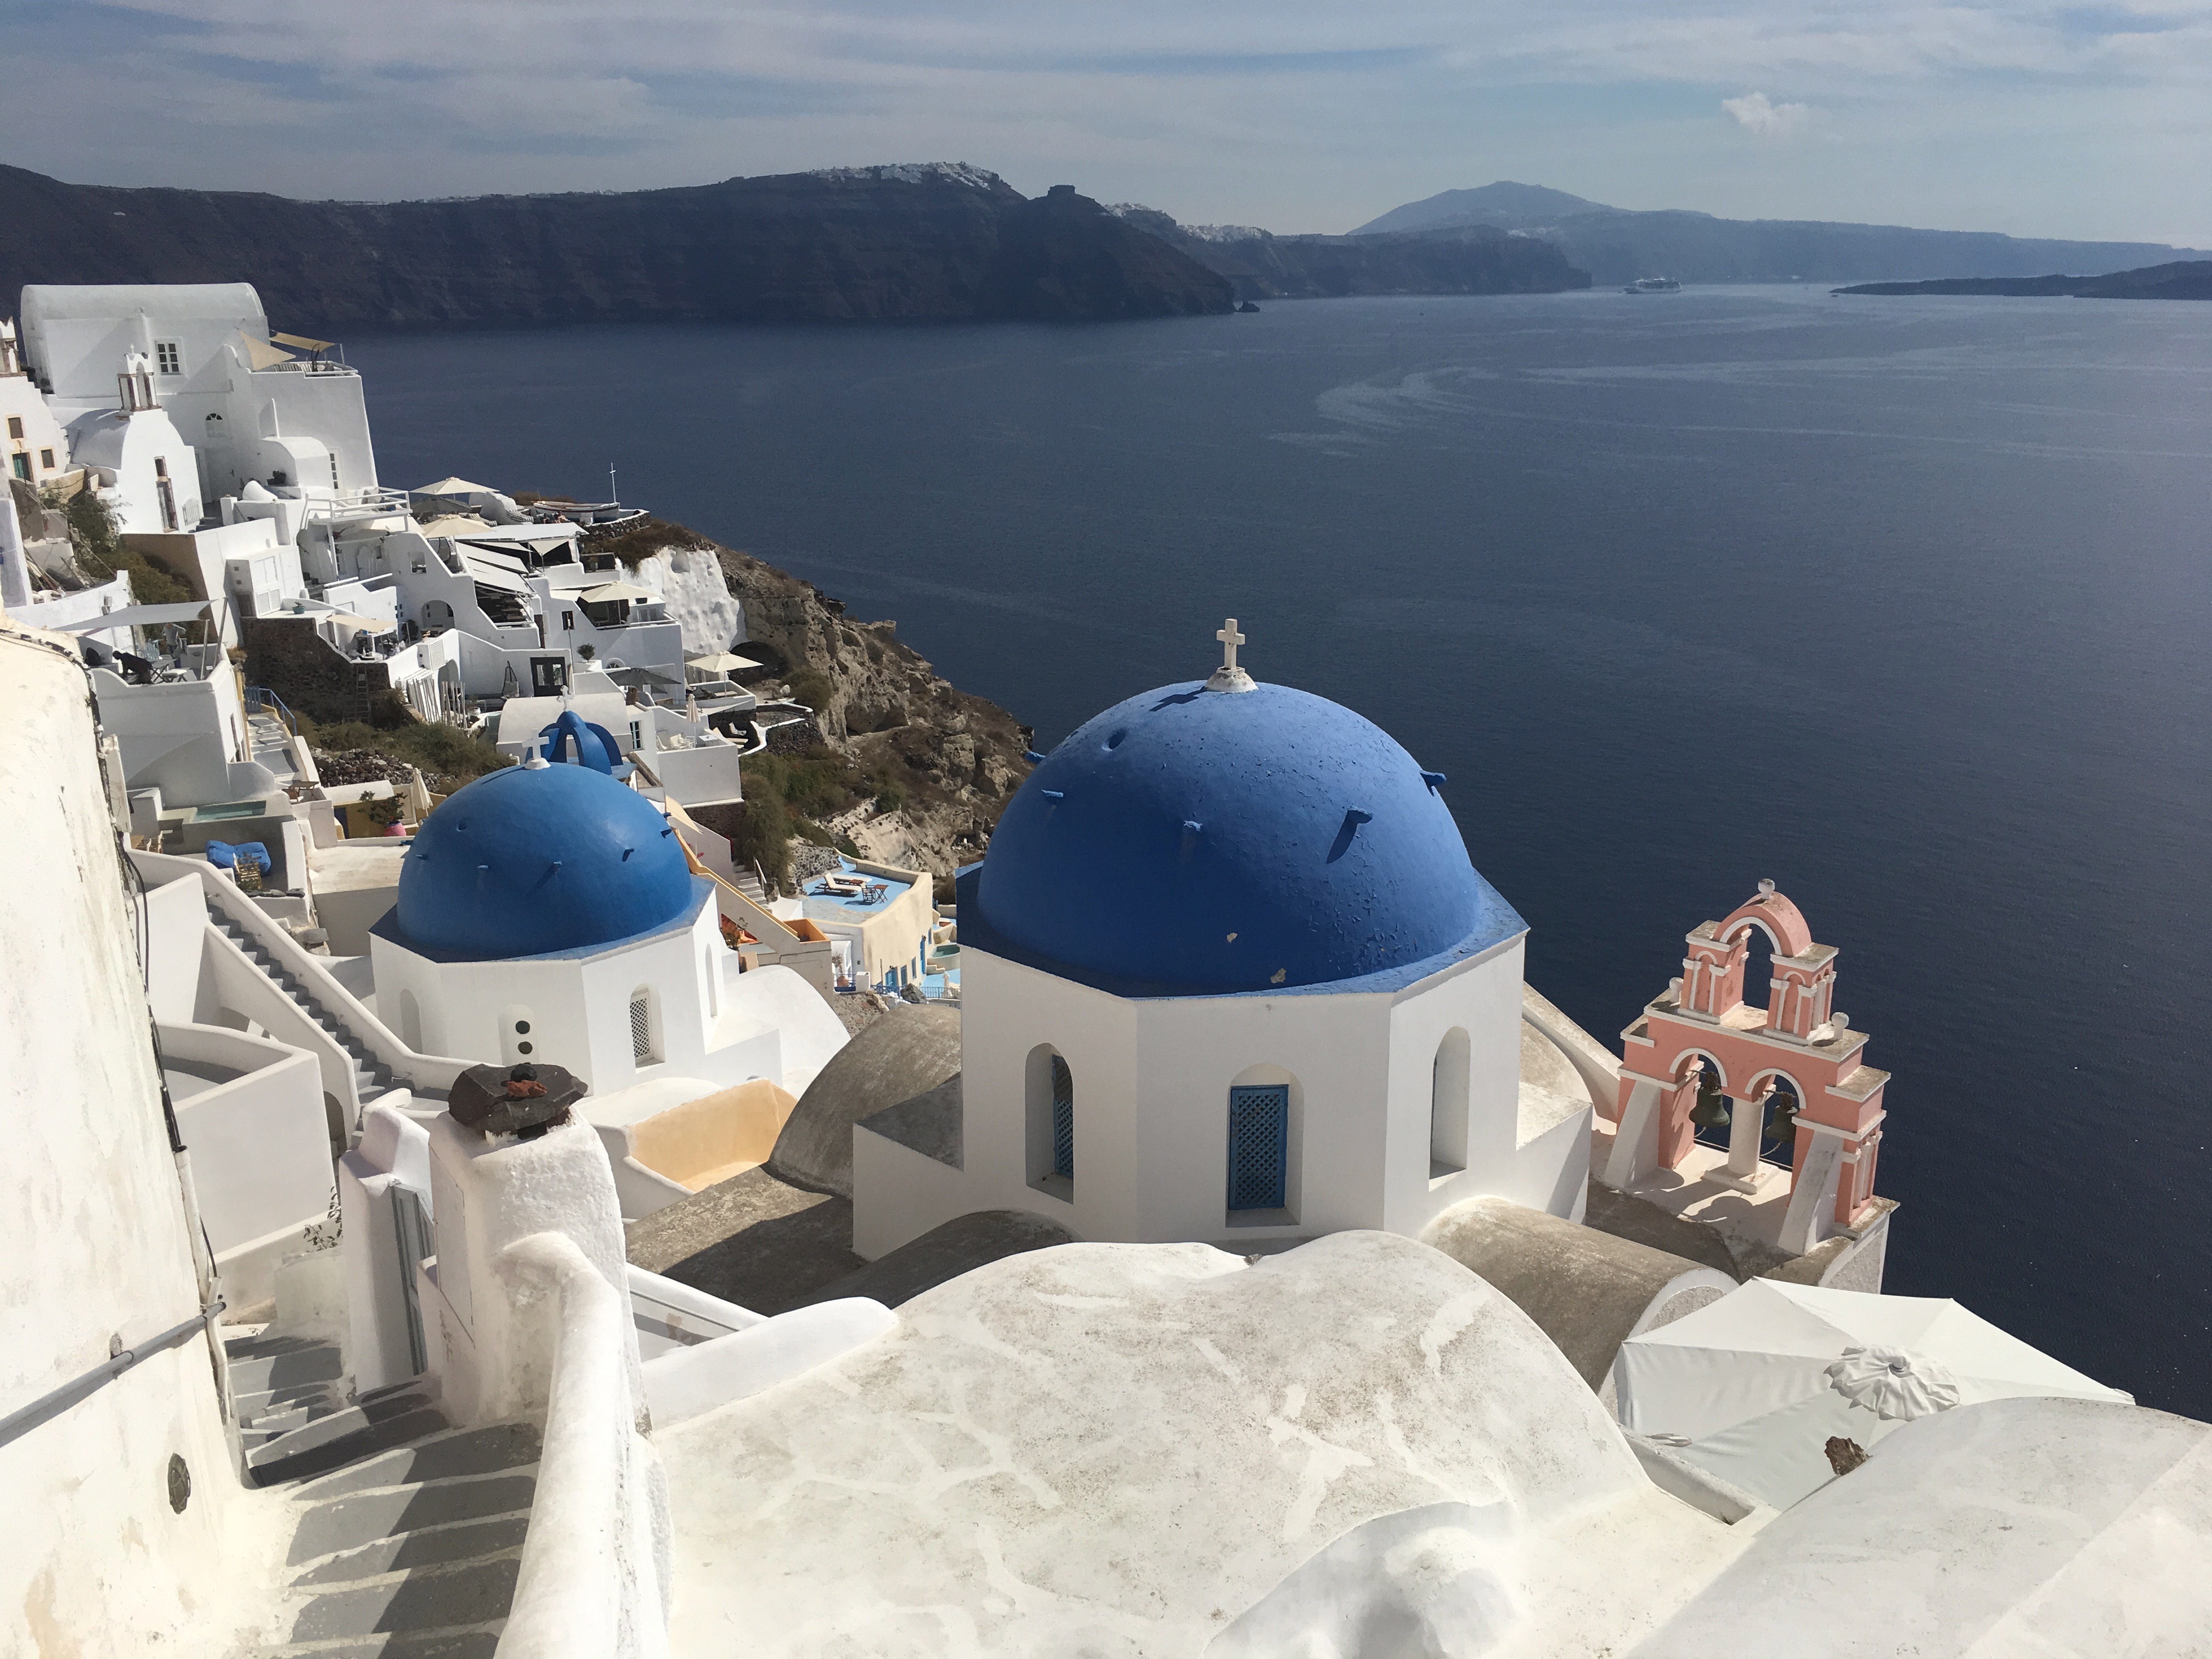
819 785
761 835
95 540
442 751
810 686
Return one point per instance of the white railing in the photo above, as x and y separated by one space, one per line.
592 1582
349 506
248 991
422 1073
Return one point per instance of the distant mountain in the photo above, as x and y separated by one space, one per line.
1506 205
1617 245
1467 260
2187 279
930 241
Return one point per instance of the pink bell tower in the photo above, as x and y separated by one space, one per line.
1702 1022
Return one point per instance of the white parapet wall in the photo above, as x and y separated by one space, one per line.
689 1382
485 1195
596 1562
252 1112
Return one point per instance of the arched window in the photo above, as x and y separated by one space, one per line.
643 1048
1449 1082
411 1021
1048 1091
1259 1146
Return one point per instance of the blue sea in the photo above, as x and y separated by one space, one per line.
1903 603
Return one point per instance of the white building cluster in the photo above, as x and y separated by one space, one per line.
1222 1274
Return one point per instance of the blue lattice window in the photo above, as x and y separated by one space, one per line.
1259 1146
1063 1119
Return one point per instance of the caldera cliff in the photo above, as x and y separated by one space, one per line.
934 242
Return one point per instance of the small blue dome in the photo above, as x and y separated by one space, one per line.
529 860
593 745
1189 842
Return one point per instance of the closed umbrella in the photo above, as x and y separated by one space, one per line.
1754 1386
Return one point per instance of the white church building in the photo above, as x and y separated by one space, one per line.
547 914
1228 974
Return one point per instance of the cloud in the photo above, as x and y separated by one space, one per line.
1297 114
1756 114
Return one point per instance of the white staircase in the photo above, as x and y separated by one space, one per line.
410 1532
372 1076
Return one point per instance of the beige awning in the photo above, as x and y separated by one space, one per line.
483 571
453 487
454 524
259 354
721 662
303 342
611 592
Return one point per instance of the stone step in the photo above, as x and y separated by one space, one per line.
435 1457
333 1441
471 1593
361 1518
424 1548
258 1364
475 1641
327 1395
272 1420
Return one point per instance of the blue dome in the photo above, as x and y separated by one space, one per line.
531 860
594 746
1190 841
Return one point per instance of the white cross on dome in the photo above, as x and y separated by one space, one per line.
1228 676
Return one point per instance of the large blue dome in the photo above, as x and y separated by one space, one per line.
1189 842
531 860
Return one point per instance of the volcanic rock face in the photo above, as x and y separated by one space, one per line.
912 243
952 757
955 756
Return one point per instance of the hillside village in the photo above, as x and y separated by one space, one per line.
570 1100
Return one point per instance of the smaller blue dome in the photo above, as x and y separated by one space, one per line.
535 860
595 745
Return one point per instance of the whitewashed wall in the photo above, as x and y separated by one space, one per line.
93 1558
709 1025
1152 1081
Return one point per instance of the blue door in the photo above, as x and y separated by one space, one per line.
1259 1146
1063 1119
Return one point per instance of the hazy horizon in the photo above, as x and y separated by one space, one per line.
2086 122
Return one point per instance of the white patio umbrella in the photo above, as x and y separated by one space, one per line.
1753 1387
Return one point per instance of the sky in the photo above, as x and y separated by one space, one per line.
2085 120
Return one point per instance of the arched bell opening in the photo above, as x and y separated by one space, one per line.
1777 1100
1695 1078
